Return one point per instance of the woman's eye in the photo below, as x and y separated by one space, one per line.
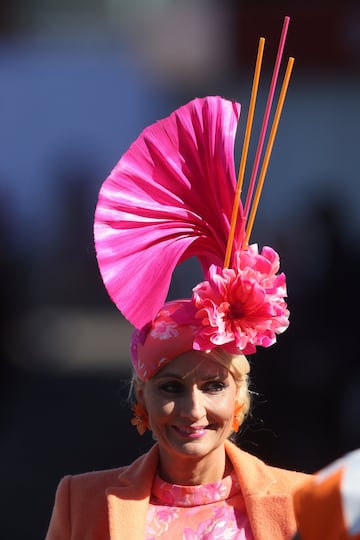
171 387
214 386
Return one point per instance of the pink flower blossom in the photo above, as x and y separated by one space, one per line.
242 307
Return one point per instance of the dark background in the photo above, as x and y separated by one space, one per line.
78 82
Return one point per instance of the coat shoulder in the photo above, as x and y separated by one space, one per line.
258 476
78 496
90 487
102 477
288 478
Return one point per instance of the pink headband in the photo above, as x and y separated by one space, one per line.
169 335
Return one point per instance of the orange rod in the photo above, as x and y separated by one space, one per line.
268 150
244 151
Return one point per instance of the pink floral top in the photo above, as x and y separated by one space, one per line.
209 512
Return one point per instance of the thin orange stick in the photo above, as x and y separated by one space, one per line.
244 151
263 130
268 150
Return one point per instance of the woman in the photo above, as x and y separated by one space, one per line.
194 482
171 197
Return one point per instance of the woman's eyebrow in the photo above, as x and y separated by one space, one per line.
167 376
206 377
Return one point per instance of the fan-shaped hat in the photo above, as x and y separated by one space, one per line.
174 195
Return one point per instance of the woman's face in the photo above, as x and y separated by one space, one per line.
190 404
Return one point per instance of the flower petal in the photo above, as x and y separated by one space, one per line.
243 307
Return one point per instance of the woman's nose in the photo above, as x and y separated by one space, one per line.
193 404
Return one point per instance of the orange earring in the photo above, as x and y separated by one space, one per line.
236 422
140 419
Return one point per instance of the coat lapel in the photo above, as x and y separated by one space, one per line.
128 501
268 508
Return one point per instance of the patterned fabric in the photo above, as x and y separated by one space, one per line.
209 512
169 335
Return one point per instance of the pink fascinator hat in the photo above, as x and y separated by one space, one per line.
174 195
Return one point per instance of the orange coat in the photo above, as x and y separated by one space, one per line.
112 504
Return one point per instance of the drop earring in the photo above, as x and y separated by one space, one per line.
140 419
237 410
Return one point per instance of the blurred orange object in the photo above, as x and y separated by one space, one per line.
327 507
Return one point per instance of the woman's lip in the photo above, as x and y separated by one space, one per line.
191 432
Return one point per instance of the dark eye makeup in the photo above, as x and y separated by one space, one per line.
214 386
172 387
211 386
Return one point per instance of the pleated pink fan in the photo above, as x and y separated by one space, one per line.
169 197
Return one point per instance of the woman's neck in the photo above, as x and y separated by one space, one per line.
190 471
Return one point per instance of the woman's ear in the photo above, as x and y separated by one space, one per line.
139 391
